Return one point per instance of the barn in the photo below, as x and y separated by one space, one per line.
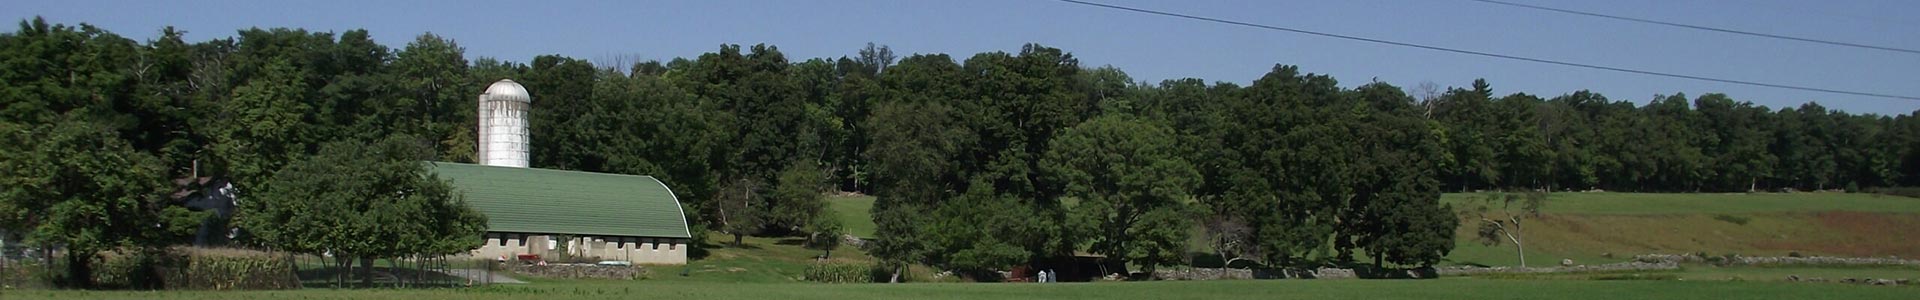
557 214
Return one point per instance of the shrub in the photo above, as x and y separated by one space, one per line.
116 270
839 273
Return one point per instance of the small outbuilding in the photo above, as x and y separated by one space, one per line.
582 215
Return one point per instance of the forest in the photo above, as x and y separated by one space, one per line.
978 162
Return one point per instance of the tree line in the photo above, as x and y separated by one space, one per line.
977 163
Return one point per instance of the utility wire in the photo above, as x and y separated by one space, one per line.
1489 54
1722 30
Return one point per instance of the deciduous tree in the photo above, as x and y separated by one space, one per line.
1134 188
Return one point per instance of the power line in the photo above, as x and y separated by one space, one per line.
1722 30
1489 54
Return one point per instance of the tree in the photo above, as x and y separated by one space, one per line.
768 123
1678 163
798 202
359 200
1286 123
738 208
980 231
433 96
1523 155
1394 212
1230 238
562 89
264 125
77 185
1472 136
1736 137
825 234
914 147
1132 185
1413 228
1507 221
1575 138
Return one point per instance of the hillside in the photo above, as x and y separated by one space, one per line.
853 212
1610 227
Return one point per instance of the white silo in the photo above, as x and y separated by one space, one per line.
503 125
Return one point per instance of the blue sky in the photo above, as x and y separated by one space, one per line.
1154 48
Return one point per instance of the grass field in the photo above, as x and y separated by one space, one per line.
1457 288
1612 227
1735 203
1592 238
853 212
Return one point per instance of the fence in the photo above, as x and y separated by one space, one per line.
190 268
440 271
24 268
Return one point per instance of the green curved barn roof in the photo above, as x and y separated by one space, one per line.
543 201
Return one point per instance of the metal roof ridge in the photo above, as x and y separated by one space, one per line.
547 170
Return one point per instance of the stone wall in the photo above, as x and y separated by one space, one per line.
1342 273
1650 262
1613 267
1201 274
576 271
1220 274
1777 260
1850 280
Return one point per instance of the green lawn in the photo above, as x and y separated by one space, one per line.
1457 288
1646 203
853 212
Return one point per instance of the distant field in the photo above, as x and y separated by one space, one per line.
1589 238
1589 227
1642 203
1443 289
854 213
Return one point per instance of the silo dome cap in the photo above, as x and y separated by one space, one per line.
506 89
